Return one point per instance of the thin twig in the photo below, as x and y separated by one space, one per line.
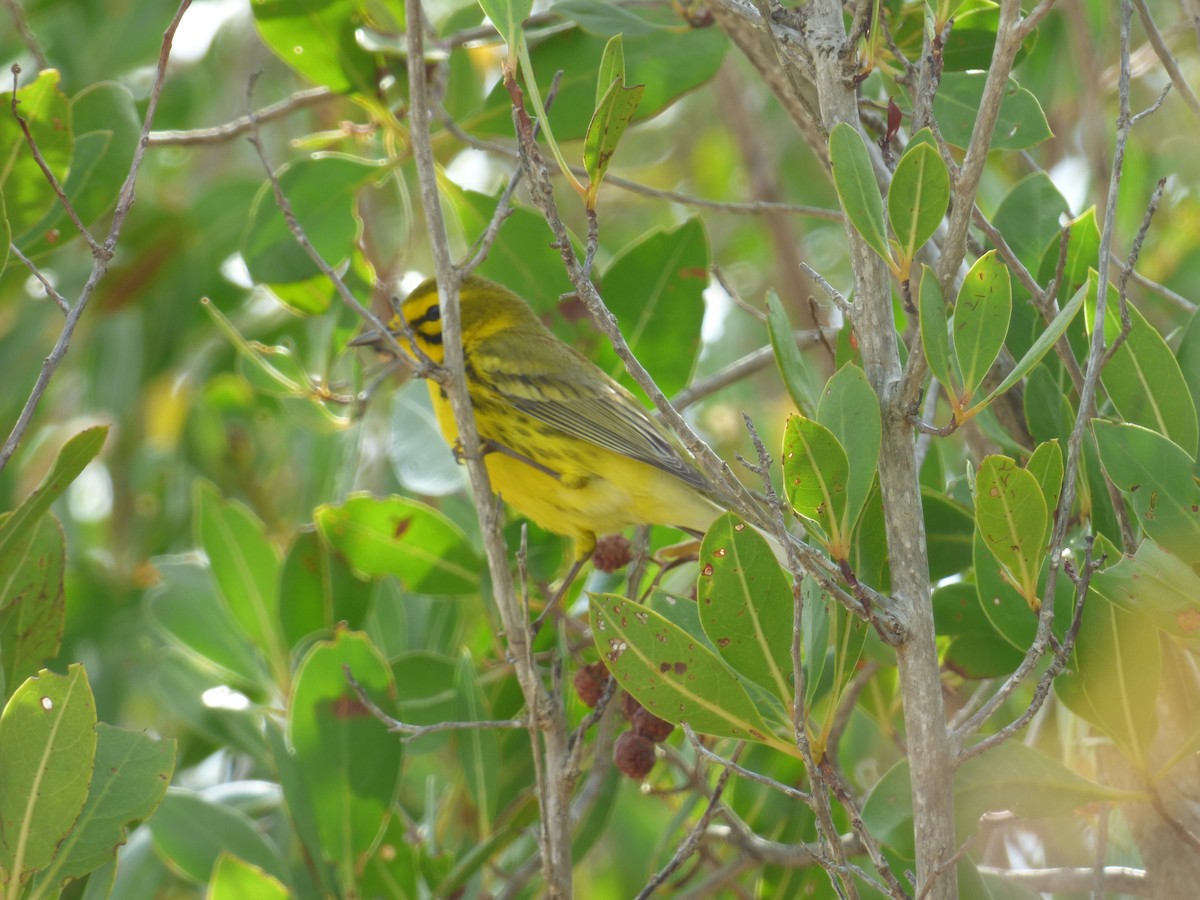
28 38
1087 399
379 330
103 257
688 845
51 178
1116 879
831 292
753 362
413 732
1062 655
478 253
1167 58
748 208
788 791
221 134
54 295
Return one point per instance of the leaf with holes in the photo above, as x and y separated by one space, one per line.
745 604
673 675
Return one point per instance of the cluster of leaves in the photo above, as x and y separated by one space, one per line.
227 626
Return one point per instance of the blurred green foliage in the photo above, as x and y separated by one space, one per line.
246 526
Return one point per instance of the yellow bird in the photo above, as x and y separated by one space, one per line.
564 444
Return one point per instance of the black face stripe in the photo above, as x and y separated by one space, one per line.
433 314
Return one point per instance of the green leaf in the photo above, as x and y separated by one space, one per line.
106 128
815 639
32 604
1010 513
918 198
655 288
975 650
348 760
1013 776
797 377
981 315
1020 125
850 410
130 778
935 334
1188 357
1143 379
72 458
507 16
245 566
478 749
1028 217
236 879
521 255
192 831
1046 465
1113 679
1004 606
745 604
613 114
321 191
854 179
319 590
1156 585
1010 776
401 537
1083 255
612 69
186 606
317 39
607 19
1157 475
47 751
668 68
949 532
672 674
28 196
1045 341
815 476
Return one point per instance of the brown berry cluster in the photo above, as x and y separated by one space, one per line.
634 751
613 552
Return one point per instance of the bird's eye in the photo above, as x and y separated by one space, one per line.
435 313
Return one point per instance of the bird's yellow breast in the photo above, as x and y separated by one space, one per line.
568 485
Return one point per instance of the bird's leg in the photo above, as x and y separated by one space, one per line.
487 445
580 561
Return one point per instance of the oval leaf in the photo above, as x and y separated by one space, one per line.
918 198
981 315
815 474
401 537
854 178
672 674
745 604
850 410
1010 513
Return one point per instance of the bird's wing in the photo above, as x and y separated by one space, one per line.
560 387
